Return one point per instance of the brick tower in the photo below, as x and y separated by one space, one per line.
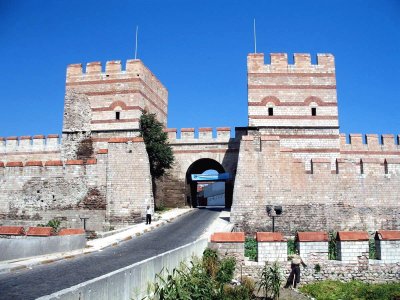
296 102
103 105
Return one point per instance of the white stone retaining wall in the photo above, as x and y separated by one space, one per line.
132 281
26 246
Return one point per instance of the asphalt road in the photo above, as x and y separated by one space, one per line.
46 279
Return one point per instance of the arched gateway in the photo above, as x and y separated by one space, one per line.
208 189
194 155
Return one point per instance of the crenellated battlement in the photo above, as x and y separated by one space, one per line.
358 164
134 69
204 134
356 142
279 63
29 144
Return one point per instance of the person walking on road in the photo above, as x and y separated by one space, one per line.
294 277
148 215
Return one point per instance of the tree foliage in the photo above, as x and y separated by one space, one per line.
156 140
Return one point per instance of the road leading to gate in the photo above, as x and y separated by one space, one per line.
46 279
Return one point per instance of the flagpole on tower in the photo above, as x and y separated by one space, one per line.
255 36
136 41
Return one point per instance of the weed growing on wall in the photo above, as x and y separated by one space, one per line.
291 247
332 250
250 248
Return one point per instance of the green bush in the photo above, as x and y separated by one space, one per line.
334 290
332 251
226 270
250 248
372 249
54 223
291 246
206 279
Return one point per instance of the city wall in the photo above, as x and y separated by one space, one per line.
103 189
340 194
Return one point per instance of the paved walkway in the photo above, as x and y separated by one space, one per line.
48 276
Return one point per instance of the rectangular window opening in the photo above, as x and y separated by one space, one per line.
117 115
270 111
313 111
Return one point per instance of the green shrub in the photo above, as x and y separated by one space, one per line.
250 248
206 279
226 270
372 249
334 290
54 223
332 251
291 246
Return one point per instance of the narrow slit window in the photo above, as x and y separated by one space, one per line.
270 111
313 111
361 167
117 115
385 164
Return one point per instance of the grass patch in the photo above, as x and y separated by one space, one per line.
353 290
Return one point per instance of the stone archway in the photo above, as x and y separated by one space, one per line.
199 167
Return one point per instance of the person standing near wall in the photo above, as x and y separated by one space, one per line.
294 277
148 215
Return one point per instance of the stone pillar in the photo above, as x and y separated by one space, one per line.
312 242
271 247
351 245
387 244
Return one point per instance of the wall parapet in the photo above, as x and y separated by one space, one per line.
202 134
355 142
29 144
279 63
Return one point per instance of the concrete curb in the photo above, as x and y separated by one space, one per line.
94 245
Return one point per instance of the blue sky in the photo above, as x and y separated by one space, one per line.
198 50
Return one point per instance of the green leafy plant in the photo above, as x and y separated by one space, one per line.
160 152
250 248
54 223
291 246
207 279
270 280
372 249
332 250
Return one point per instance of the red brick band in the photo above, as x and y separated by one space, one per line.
114 121
294 87
112 108
127 92
293 117
291 74
206 150
111 81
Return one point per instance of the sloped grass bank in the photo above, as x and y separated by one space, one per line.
353 290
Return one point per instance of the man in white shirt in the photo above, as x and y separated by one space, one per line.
148 215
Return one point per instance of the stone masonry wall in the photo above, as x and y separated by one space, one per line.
36 192
129 188
320 199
